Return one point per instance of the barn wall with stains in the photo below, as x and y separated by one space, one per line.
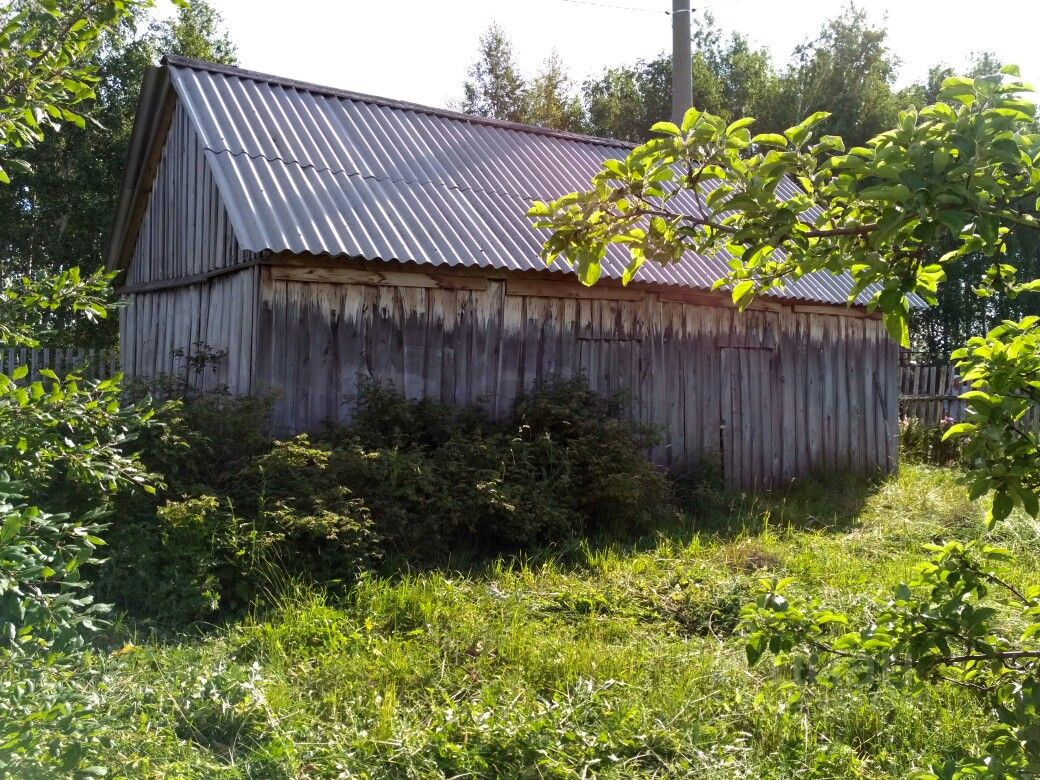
189 290
771 394
212 321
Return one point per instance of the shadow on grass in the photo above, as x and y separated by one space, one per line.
830 503
703 508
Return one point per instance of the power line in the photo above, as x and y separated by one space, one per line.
619 7
711 4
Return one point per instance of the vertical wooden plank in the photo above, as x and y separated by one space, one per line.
464 347
265 334
511 354
856 411
693 381
870 418
671 378
569 349
482 361
891 399
450 346
549 341
433 359
413 341
714 319
351 349
532 336
840 411
728 415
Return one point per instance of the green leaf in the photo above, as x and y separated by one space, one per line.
885 192
667 128
960 429
690 119
742 290
1001 508
770 139
740 124
898 327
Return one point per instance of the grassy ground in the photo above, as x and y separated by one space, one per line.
597 661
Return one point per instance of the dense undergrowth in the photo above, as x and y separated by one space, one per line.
405 485
334 608
611 660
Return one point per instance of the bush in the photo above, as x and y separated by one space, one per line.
198 555
202 438
438 479
419 481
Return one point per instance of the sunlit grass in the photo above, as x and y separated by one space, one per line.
603 659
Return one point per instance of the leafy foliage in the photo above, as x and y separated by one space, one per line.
57 215
948 182
44 80
414 482
1002 370
63 441
948 624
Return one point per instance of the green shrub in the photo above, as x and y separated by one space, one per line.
203 437
419 481
199 557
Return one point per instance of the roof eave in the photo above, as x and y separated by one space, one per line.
156 91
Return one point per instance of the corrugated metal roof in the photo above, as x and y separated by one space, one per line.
315 170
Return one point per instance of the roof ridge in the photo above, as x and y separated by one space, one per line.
178 61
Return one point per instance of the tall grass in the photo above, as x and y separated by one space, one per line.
598 660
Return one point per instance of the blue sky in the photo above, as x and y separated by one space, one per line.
419 50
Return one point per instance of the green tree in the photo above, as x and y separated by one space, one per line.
625 100
729 78
946 183
959 313
495 88
847 70
196 31
62 440
847 67
58 214
551 100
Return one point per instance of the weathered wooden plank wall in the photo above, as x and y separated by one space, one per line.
185 228
924 391
216 315
174 312
772 394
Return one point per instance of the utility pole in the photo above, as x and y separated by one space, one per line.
682 62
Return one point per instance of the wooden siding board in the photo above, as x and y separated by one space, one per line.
781 379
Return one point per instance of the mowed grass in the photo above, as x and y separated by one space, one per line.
617 661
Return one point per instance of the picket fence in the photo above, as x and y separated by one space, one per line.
925 394
91 363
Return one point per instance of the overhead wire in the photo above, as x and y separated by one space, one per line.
615 7
619 7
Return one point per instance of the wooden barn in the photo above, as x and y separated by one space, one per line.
316 238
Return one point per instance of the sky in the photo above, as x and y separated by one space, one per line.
420 50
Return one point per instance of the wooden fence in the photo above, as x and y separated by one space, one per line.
925 393
92 363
